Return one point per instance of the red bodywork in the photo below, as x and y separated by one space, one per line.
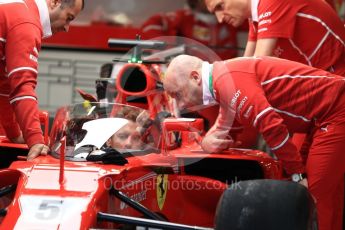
181 183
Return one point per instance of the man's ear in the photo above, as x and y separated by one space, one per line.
195 76
108 142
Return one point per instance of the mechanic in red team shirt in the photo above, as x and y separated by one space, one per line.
24 24
306 31
197 24
278 97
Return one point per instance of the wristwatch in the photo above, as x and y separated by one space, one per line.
297 177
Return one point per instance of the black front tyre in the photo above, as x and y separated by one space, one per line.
266 205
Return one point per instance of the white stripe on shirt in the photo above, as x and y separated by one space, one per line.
312 17
329 31
300 51
260 115
278 111
281 144
292 77
291 114
319 45
22 98
22 68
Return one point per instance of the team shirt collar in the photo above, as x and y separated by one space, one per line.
254 10
206 73
44 18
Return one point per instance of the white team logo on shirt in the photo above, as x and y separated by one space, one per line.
33 58
248 112
35 51
265 15
239 108
34 55
235 98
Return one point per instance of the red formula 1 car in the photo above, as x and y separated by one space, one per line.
120 166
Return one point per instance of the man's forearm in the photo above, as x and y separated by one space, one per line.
27 115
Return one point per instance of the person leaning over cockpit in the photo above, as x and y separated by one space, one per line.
23 26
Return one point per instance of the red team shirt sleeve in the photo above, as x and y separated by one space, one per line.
251 107
22 45
8 120
276 19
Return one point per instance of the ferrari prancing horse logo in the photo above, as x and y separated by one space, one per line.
161 189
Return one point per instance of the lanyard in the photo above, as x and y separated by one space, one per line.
210 81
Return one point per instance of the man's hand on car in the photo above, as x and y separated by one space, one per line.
217 141
36 150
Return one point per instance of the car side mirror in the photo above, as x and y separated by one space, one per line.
183 125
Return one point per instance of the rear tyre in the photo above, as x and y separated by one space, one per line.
266 205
